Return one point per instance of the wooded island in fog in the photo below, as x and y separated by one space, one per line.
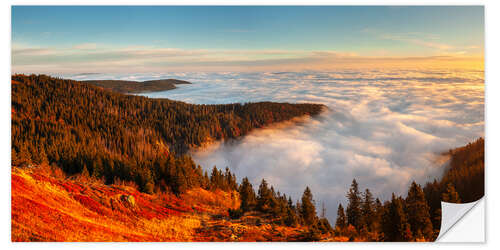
135 87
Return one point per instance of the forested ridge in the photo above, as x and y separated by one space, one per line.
125 87
85 129
418 216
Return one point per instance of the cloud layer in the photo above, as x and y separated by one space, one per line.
384 128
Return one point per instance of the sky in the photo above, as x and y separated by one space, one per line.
114 39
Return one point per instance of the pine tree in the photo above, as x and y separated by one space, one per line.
216 179
247 195
418 212
24 156
367 210
291 219
324 225
377 220
39 156
394 221
14 159
353 210
341 222
85 172
274 204
298 207
265 197
451 194
308 210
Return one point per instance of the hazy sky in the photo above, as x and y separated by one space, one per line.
76 39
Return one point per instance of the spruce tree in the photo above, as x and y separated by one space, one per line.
367 210
353 210
418 212
377 220
14 159
265 197
215 179
24 156
394 221
341 221
308 210
85 172
451 194
247 195
291 219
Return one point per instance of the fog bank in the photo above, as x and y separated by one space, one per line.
384 128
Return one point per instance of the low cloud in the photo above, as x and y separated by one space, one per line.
384 127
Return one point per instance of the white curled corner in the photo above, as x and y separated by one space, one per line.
453 213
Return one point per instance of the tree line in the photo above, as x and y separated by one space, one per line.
418 216
281 209
83 128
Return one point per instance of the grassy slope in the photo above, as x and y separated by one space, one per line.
47 206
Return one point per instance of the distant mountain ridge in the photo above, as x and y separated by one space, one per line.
135 87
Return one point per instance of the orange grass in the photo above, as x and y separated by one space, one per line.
47 206
47 209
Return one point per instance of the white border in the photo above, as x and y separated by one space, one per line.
492 54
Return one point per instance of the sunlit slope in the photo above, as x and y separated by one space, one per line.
46 206
51 209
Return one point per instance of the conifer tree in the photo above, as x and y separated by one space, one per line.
418 212
451 194
85 172
308 210
14 159
215 179
291 219
324 225
367 210
353 210
394 221
24 156
341 222
377 220
265 197
247 195
298 207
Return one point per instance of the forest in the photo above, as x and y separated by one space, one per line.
82 128
127 87
418 216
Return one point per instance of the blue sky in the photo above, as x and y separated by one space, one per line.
66 38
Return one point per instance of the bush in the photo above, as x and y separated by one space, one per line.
235 213
312 235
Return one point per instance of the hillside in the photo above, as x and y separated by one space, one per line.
90 164
134 87
48 206
80 127
416 217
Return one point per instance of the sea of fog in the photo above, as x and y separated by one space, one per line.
384 128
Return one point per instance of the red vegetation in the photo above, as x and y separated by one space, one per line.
47 206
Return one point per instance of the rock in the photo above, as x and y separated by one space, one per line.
129 200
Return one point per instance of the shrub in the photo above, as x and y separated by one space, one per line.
235 213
